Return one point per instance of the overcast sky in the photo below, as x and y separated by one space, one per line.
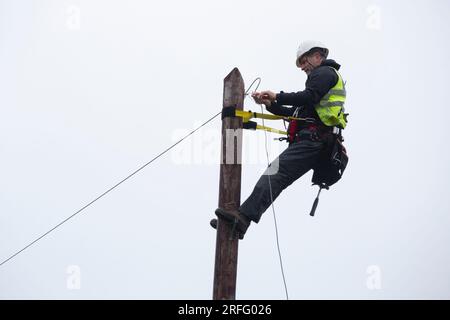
91 90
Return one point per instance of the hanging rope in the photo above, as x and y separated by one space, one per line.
265 116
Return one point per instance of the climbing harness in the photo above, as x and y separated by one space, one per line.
252 125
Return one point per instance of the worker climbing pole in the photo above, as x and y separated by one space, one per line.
316 119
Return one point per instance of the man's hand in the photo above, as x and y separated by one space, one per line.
269 95
260 99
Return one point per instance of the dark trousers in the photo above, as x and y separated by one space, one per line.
291 164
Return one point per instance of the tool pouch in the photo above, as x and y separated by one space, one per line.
332 163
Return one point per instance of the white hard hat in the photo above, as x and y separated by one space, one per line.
306 46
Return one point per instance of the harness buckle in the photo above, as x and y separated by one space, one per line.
336 130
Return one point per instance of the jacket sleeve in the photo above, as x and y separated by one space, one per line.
279 110
319 82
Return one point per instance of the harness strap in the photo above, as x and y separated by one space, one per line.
251 125
247 115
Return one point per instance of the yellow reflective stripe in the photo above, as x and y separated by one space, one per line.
338 92
333 95
331 103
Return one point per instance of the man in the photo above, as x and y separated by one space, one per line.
321 107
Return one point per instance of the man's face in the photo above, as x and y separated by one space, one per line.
309 62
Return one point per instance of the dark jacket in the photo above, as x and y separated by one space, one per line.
318 83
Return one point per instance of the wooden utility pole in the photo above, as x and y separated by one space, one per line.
225 269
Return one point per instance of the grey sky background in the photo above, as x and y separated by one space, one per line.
91 90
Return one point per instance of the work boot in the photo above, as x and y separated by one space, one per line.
213 223
241 221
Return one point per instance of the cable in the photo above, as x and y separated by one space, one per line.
246 92
109 190
273 211
120 182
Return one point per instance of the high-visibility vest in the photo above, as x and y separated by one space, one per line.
331 107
